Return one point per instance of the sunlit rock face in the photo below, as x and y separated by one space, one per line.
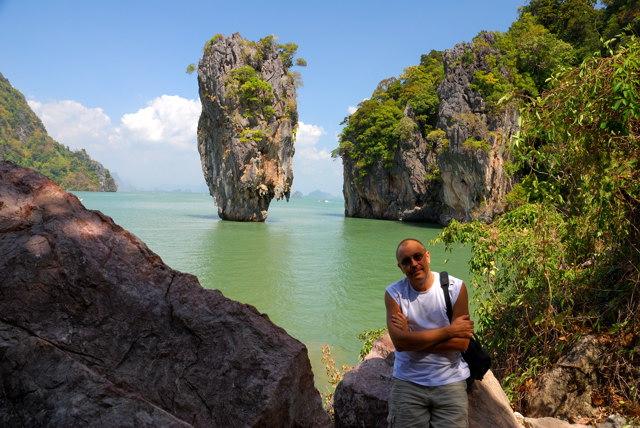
474 181
246 129
399 192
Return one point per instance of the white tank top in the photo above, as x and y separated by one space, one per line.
426 311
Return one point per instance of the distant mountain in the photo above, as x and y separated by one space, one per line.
319 194
25 142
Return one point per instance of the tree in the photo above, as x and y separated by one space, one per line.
574 21
534 54
372 134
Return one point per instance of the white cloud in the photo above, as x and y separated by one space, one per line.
313 167
156 146
73 124
352 109
168 119
307 139
153 148
308 135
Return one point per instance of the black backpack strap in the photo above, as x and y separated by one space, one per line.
444 283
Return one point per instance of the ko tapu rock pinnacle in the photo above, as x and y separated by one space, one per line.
248 122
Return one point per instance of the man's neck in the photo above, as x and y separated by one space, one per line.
423 285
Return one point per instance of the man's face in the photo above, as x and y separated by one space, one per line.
413 261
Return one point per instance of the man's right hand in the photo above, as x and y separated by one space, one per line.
462 327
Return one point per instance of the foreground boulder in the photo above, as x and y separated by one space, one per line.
361 398
95 330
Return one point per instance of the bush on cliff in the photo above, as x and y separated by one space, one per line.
373 132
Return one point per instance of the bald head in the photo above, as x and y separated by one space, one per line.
406 241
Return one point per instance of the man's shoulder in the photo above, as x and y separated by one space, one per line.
398 285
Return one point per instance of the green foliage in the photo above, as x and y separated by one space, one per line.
24 141
191 68
433 174
255 135
288 51
563 262
368 337
574 21
212 42
584 23
533 54
439 140
620 17
372 134
267 46
474 144
406 128
254 95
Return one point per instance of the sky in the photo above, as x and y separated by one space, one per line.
110 76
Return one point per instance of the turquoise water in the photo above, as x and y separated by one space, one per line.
315 273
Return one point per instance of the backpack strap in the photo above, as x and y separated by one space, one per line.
444 283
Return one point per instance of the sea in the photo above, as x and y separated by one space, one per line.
316 273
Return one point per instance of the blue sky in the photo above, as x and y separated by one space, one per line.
109 76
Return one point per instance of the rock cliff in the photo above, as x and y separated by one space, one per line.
454 172
246 129
472 164
400 192
95 330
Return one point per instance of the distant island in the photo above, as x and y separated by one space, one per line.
316 194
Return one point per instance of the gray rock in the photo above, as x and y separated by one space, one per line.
613 421
95 330
566 390
246 141
474 180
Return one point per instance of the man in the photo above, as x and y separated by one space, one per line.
429 384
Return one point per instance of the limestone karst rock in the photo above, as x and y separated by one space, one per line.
455 172
95 330
397 193
246 129
472 167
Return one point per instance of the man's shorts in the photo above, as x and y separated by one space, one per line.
413 405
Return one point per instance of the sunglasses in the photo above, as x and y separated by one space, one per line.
407 260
